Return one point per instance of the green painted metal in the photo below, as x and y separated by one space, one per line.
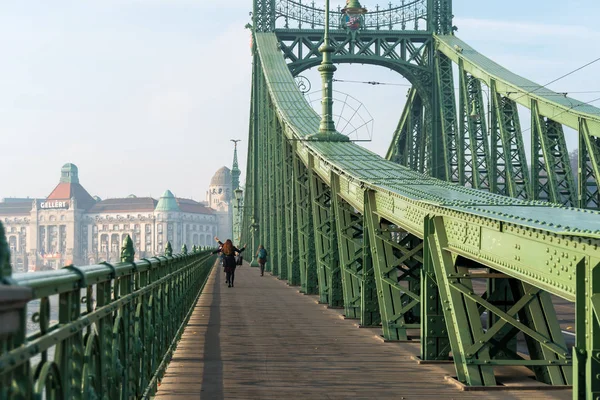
473 133
282 244
549 153
349 231
425 240
550 179
396 263
118 347
306 233
291 220
453 158
326 252
509 167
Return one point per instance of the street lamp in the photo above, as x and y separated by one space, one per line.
327 130
238 193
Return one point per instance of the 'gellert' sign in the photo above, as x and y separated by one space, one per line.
50 204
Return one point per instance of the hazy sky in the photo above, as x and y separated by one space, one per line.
144 95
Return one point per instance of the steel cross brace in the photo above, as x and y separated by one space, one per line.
476 351
511 172
282 245
272 210
552 178
586 352
473 133
393 297
306 238
589 168
291 221
350 248
454 165
326 246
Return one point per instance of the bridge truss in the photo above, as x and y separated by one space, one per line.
453 225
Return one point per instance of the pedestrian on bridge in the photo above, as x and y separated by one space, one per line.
261 255
228 250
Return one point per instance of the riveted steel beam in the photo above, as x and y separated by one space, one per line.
396 262
552 178
349 227
291 220
326 248
473 139
279 189
306 233
511 307
509 166
589 167
452 154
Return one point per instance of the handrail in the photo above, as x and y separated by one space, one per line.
115 330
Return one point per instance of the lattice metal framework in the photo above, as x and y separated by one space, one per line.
368 227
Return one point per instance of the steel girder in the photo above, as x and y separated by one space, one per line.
589 167
510 175
408 145
398 50
279 188
271 193
358 278
523 240
549 177
473 139
524 309
263 15
397 260
326 247
552 177
291 220
451 157
306 233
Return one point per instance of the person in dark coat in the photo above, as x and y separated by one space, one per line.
228 250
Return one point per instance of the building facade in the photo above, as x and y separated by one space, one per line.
72 227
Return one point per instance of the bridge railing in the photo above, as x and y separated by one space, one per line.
103 331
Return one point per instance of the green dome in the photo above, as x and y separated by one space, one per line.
167 202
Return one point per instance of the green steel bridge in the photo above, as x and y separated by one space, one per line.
453 234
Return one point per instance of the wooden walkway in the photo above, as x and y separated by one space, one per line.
264 340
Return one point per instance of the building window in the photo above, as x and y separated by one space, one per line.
126 227
115 227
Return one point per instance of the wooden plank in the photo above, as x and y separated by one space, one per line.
264 340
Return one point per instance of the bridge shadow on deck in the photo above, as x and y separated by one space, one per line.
264 340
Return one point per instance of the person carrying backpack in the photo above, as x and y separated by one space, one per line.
228 251
261 255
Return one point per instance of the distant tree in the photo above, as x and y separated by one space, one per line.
574 161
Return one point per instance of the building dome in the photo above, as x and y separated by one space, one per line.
133 196
97 198
222 177
167 202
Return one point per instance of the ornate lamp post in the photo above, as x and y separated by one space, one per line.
327 130
237 219
254 227
238 223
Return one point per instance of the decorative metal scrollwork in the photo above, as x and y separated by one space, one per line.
303 84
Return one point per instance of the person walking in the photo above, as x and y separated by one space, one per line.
261 255
228 251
